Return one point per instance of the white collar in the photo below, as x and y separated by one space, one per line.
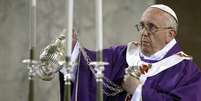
160 54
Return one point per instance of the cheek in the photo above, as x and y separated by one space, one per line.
169 38
158 41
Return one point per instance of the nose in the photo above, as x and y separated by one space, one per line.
144 32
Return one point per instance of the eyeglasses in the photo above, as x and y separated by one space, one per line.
150 28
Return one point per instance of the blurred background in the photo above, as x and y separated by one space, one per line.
119 19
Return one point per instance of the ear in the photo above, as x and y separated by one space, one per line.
170 35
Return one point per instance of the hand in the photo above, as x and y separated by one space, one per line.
130 83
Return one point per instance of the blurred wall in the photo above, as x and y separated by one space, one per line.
189 33
119 18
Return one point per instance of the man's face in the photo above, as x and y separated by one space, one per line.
154 33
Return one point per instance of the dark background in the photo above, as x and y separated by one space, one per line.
189 33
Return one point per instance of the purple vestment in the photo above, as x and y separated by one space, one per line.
181 82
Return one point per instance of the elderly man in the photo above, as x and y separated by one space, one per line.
157 70
168 78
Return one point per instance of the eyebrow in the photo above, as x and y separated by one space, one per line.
148 23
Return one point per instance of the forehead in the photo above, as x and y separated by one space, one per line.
155 16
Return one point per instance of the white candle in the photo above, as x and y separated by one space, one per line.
70 27
34 3
32 23
99 29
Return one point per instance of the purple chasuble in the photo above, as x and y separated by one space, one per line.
181 82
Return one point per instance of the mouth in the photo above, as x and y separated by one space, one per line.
145 43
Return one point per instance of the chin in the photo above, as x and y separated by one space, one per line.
145 50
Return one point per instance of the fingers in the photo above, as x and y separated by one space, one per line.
130 83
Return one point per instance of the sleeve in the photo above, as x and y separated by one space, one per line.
187 88
117 64
115 71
